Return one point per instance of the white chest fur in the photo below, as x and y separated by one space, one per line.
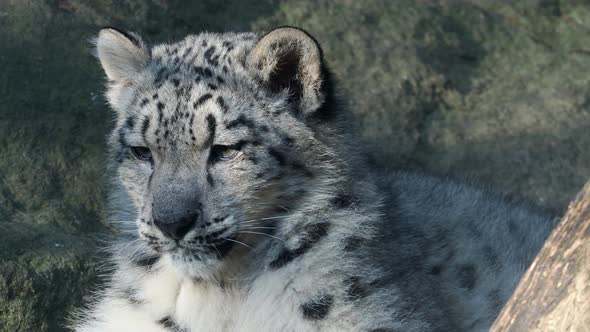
271 303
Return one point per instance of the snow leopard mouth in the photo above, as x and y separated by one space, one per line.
203 247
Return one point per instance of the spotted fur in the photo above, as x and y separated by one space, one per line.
255 211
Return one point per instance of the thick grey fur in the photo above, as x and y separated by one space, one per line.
321 242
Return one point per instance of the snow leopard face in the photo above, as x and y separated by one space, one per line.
215 138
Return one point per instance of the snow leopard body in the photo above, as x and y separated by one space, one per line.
244 203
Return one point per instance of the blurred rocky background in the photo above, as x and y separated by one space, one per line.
496 91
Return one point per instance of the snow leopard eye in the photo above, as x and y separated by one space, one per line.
141 153
223 152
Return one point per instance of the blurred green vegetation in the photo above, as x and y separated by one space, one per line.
494 90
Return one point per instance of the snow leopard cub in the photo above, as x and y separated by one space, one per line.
250 208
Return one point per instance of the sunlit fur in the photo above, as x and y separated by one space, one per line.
319 241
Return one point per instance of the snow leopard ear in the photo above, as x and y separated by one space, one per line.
122 54
290 59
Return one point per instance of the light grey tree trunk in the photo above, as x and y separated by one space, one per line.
554 294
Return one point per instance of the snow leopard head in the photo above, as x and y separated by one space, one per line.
217 136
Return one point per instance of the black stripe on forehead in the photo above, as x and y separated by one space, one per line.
145 126
160 106
222 104
211 126
202 100
242 120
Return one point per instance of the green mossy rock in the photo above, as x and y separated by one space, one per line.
44 273
495 91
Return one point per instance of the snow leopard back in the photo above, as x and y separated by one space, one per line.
469 246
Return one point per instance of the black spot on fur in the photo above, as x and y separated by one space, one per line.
318 308
242 120
299 167
277 155
342 201
313 234
160 106
467 276
211 125
147 261
227 44
144 102
210 180
222 104
213 235
176 82
220 80
145 126
212 86
130 123
356 290
169 323
205 72
220 219
210 57
187 52
202 100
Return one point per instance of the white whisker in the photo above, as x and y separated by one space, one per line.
258 233
236 241
258 227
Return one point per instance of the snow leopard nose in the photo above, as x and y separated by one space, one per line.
176 201
176 212
177 228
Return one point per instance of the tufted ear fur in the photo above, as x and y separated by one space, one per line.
122 55
290 59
